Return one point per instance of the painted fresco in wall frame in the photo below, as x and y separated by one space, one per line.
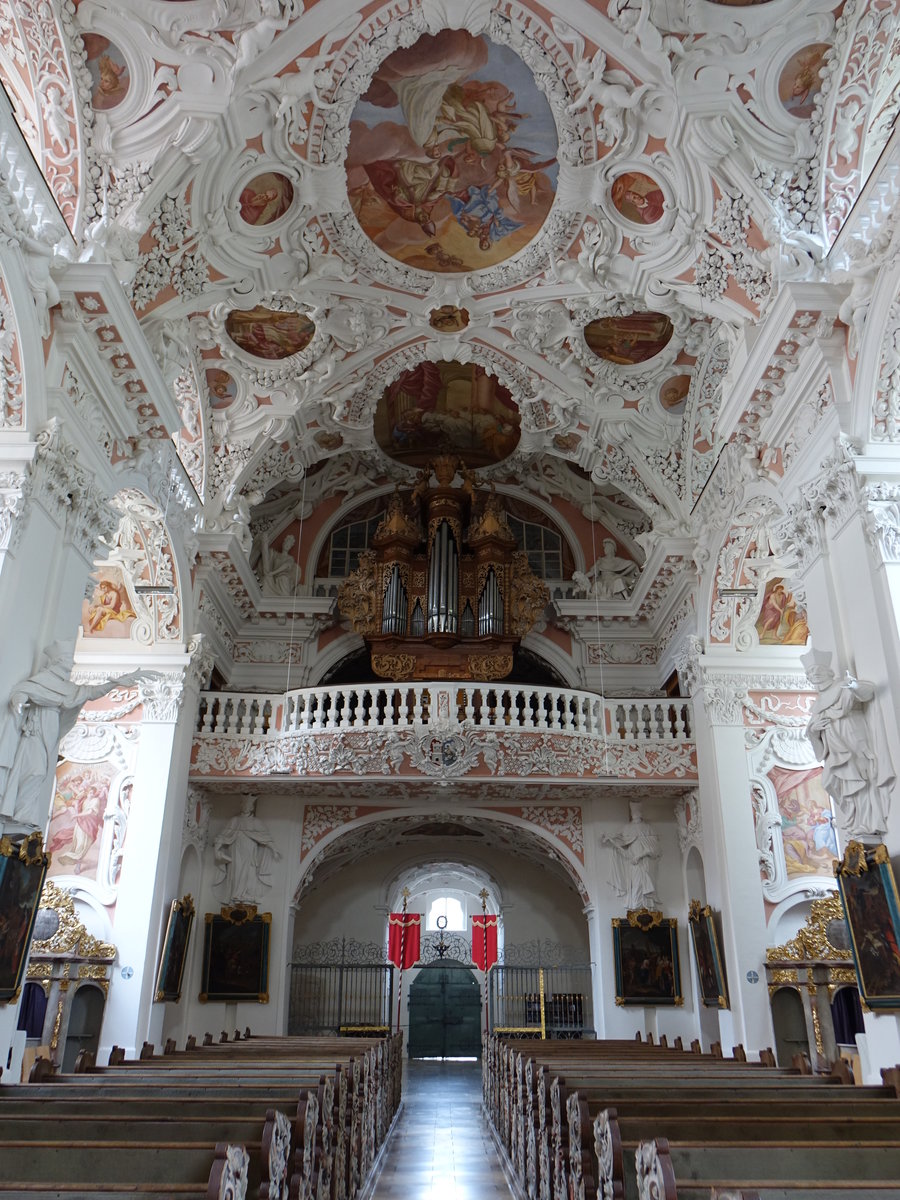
710 972
236 956
645 950
872 907
23 868
172 960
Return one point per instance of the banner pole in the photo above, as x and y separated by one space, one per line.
405 894
484 898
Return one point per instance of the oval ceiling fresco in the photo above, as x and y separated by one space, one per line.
109 72
447 408
266 333
265 198
451 164
801 80
628 340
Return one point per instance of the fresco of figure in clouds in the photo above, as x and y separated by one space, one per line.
452 164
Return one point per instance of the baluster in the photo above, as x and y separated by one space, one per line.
317 710
645 732
568 712
470 706
414 717
682 721
202 714
227 716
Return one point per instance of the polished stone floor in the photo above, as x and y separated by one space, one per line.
441 1148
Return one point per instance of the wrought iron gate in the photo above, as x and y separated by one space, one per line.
342 987
545 1002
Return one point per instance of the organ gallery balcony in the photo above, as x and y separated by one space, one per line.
442 730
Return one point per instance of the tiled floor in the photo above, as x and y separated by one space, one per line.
441 1148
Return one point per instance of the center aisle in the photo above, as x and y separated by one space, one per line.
442 1148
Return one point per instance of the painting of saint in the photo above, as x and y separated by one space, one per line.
807 829
108 612
638 198
266 198
801 79
222 388
781 620
873 914
21 880
447 408
76 819
628 340
673 394
452 164
109 72
266 333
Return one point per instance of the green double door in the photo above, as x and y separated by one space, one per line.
445 1012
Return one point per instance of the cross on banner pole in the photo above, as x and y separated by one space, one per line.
405 893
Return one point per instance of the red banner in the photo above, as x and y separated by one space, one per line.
484 941
403 939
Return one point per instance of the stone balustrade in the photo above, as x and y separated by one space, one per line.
442 729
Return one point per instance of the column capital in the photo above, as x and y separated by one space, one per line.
161 695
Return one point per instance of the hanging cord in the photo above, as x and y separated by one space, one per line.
290 661
599 643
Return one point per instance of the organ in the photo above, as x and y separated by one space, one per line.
443 592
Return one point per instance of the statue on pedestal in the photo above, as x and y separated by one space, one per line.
45 707
610 578
856 770
635 852
245 852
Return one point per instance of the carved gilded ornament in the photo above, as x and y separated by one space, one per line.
70 936
812 942
358 598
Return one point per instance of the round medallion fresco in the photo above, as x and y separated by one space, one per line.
109 72
451 164
222 388
801 80
265 198
638 198
628 340
266 333
673 393
446 408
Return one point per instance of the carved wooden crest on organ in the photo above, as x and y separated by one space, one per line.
443 593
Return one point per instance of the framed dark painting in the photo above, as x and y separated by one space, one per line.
236 955
23 867
645 949
174 950
710 972
872 908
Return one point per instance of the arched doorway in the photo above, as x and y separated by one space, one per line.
445 1012
789 1022
85 1020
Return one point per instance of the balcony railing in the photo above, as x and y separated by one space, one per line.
484 706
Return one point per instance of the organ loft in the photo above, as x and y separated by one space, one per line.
449 575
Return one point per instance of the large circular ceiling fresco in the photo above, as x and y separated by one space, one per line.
451 164
446 408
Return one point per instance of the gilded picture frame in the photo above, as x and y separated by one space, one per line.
173 956
23 869
236 956
871 903
645 951
707 956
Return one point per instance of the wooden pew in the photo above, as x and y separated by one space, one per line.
307 1121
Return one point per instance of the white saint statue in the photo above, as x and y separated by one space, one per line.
45 706
279 570
245 852
635 852
856 770
610 577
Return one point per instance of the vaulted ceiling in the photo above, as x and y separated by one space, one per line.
316 208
